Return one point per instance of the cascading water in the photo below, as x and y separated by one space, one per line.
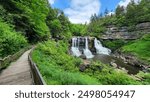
86 51
80 45
100 49
75 48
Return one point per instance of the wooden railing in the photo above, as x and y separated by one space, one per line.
7 60
36 75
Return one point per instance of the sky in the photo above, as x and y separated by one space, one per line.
80 11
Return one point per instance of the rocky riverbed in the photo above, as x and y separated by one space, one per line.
132 60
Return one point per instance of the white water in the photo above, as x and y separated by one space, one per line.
74 48
86 51
100 49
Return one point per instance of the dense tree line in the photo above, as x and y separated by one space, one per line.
129 16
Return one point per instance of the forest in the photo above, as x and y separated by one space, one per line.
35 22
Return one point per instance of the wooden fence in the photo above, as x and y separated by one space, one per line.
36 75
7 60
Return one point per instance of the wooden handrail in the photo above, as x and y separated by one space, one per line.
10 58
38 79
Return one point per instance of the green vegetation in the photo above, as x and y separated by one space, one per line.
24 22
10 41
123 17
58 24
28 17
78 29
29 21
140 48
114 44
109 76
145 77
57 67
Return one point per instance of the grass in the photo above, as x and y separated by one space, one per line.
139 48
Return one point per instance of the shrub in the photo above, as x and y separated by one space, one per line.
10 40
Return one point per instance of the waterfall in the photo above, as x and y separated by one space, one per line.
81 44
74 48
100 49
86 51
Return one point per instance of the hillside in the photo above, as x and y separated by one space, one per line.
140 48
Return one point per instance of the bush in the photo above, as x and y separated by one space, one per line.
145 77
28 17
114 45
10 40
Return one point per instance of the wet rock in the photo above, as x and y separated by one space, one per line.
113 64
82 67
83 56
85 65
132 60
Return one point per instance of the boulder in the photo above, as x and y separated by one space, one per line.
113 64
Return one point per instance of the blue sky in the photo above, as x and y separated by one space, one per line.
80 11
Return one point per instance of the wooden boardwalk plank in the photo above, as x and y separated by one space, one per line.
18 73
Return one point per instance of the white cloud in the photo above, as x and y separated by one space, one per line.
126 2
51 1
80 11
111 13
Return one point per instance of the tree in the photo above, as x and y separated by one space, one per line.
64 21
120 11
29 17
106 12
120 16
131 13
94 18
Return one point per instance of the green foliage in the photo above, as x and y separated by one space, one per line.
78 29
145 77
96 28
58 24
29 17
114 44
5 15
56 28
129 17
140 48
57 67
10 40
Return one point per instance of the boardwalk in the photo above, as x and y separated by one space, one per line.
18 73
